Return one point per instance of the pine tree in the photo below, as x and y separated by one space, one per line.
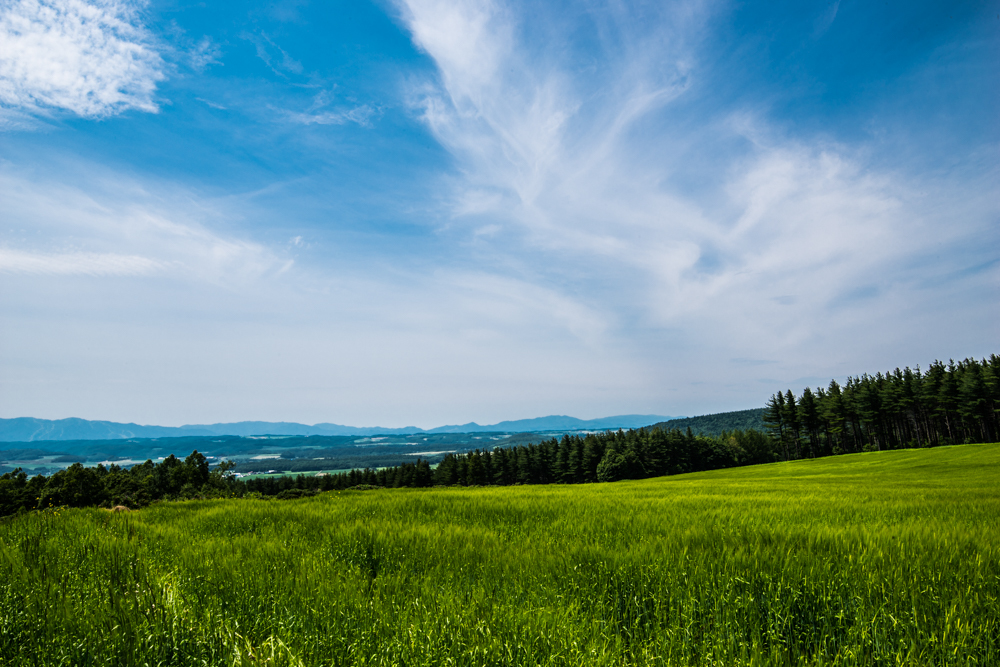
791 419
809 418
774 417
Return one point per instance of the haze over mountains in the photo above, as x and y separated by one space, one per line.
29 429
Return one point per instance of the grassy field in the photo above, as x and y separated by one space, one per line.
887 558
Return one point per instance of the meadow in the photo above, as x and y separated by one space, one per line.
882 558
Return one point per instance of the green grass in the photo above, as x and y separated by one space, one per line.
874 559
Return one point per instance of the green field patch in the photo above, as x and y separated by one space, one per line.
888 558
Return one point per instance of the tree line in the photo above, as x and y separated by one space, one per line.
947 404
137 486
580 459
599 457
950 403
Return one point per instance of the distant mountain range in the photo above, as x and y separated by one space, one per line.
29 429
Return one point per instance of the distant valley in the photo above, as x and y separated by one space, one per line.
40 446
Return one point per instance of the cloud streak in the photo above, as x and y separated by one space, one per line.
76 264
110 226
362 115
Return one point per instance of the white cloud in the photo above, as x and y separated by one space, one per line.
93 58
108 225
583 154
275 57
205 53
214 105
538 140
502 304
362 115
76 263
323 110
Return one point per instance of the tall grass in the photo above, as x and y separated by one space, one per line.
888 558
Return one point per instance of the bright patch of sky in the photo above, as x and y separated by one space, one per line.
428 212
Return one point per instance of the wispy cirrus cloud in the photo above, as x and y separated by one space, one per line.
325 110
110 226
276 58
76 264
93 58
361 115
587 147
204 53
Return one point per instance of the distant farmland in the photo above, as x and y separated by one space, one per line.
888 558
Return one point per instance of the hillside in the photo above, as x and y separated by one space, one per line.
554 423
715 424
864 559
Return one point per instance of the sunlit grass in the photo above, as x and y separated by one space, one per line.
876 559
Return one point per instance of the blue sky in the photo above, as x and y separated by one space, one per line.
426 212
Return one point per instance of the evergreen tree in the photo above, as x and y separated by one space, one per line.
793 431
774 417
809 418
